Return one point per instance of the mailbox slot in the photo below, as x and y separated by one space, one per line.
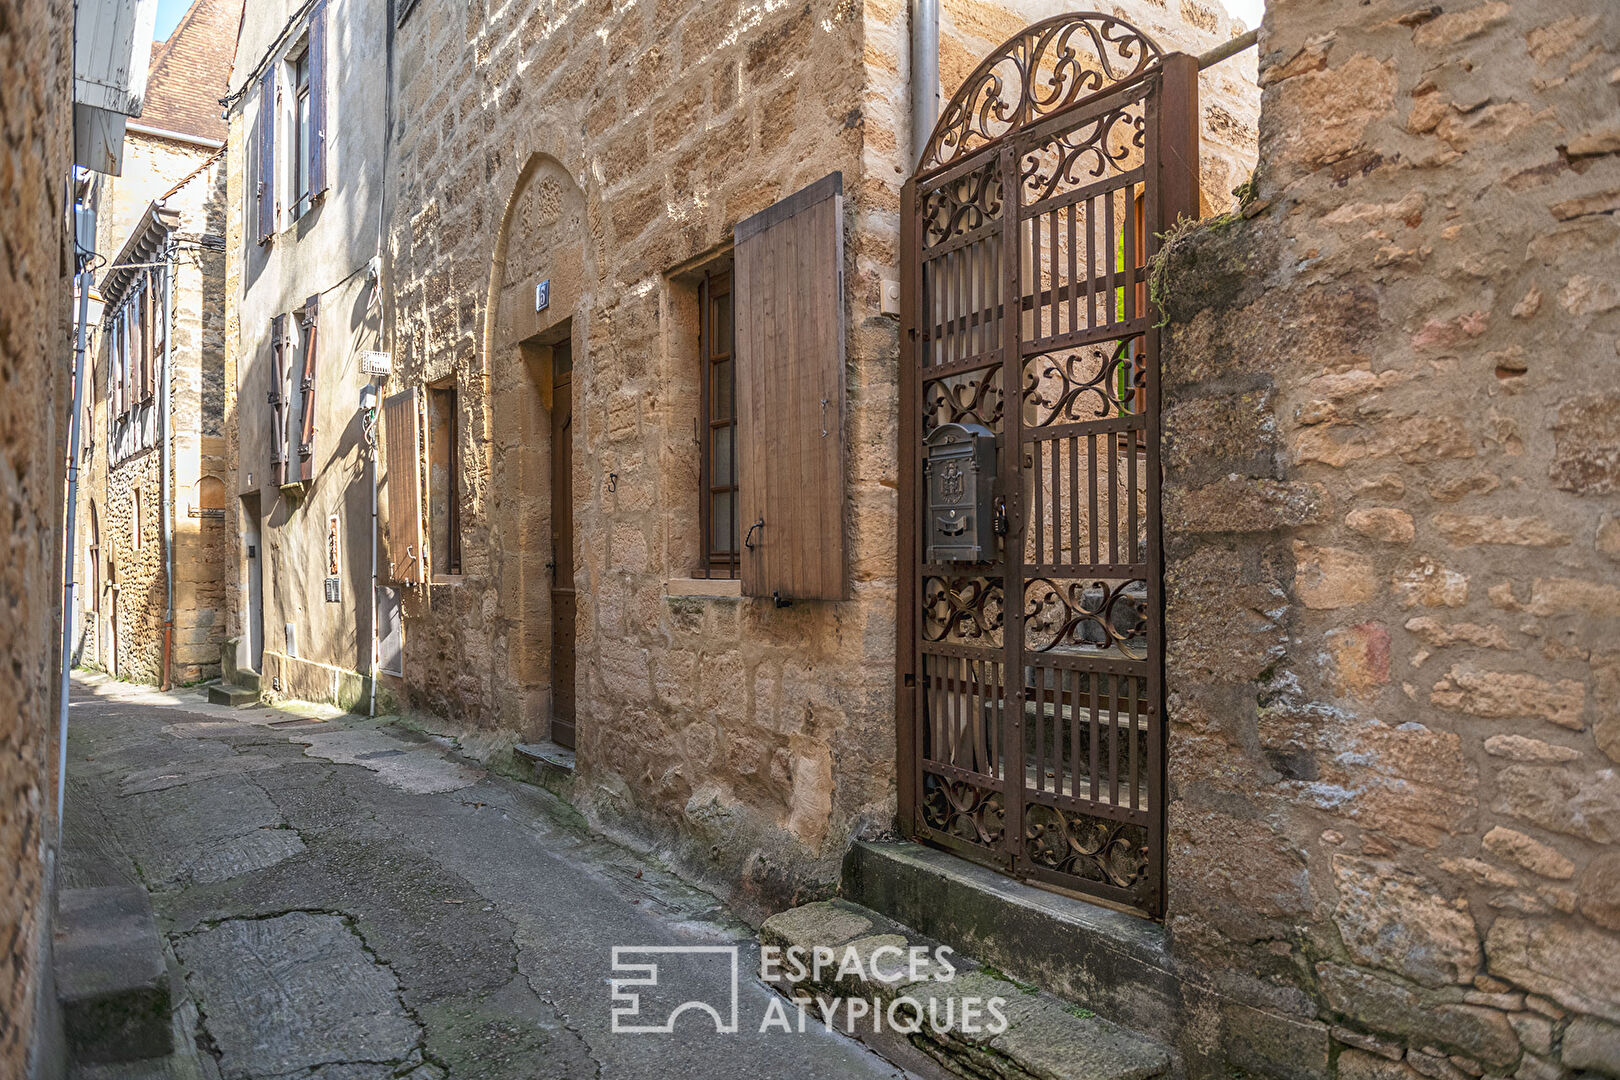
959 478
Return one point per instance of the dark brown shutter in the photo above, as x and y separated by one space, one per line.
402 487
267 153
317 100
306 386
789 300
277 400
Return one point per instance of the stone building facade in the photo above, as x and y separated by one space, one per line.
36 155
307 116
1392 590
158 375
609 151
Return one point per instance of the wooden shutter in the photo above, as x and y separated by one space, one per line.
306 387
115 372
317 100
789 301
124 387
402 484
277 400
267 153
149 338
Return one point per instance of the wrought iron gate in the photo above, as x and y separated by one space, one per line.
1031 686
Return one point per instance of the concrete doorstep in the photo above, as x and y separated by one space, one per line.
1025 1035
110 976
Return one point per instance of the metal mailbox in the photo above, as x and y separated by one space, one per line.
959 476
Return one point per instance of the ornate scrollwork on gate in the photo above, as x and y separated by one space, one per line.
963 810
1090 615
1090 383
1045 67
1112 143
973 398
961 205
963 610
1087 847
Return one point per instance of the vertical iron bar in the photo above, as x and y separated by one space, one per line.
1012 423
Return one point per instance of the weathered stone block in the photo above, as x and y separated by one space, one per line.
1592 1044
1389 920
1575 965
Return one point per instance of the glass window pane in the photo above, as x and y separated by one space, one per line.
720 391
720 456
303 148
722 325
722 523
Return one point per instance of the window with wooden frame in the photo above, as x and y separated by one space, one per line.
444 479
299 66
717 427
307 122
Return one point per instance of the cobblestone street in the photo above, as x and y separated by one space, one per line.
344 901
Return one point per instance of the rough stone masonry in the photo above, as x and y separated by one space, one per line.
1392 433
35 258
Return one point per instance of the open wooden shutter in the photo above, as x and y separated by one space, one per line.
317 100
149 338
277 400
402 486
789 299
124 387
306 386
115 369
267 154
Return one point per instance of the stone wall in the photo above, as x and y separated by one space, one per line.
610 149
323 253
131 618
1391 443
36 159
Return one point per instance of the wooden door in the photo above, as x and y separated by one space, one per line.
562 546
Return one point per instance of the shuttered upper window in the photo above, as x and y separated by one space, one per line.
306 123
789 354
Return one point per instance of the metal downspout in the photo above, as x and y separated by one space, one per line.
69 585
924 76
164 433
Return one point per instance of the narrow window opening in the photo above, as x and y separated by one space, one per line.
717 429
444 480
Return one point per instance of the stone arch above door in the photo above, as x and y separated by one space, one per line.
542 239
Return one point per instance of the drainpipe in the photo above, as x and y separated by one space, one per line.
69 585
163 439
924 75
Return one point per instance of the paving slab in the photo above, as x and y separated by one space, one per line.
296 992
111 978
487 903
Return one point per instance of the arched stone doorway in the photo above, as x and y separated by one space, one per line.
534 341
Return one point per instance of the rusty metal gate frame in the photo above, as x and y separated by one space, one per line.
1054 114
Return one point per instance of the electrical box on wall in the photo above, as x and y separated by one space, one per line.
959 476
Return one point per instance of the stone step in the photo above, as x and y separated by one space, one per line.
972 1020
226 694
549 765
111 979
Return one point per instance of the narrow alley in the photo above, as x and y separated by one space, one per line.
343 901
